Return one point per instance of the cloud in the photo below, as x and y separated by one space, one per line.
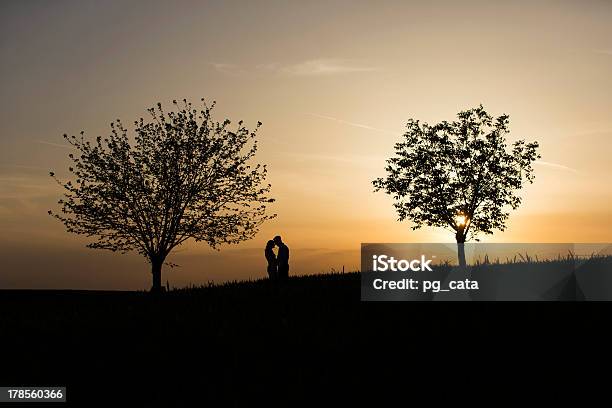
226 68
324 66
21 166
362 160
314 67
65 146
25 195
555 166
362 126
604 52
354 124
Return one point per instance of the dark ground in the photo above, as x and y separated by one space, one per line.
239 343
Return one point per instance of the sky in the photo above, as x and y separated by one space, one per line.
334 83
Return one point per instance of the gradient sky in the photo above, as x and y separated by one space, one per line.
333 82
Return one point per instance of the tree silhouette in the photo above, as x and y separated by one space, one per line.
184 176
458 175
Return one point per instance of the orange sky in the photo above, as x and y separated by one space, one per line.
333 83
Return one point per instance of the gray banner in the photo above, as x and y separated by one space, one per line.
508 272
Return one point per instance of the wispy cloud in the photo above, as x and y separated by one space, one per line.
21 189
323 66
367 127
602 51
65 146
344 158
556 166
313 67
353 124
21 166
227 68
375 160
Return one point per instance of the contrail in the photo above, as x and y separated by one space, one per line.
358 125
54 144
556 166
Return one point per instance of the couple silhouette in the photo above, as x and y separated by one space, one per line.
278 265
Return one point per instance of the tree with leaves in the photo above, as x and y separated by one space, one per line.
458 175
182 176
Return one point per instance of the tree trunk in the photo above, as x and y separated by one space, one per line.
156 270
461 248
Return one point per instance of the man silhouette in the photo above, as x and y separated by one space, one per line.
282 258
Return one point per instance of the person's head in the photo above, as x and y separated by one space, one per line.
270 244
278 240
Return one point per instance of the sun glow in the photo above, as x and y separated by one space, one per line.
460 220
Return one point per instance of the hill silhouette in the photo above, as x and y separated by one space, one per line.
246 341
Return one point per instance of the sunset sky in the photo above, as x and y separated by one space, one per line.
334 83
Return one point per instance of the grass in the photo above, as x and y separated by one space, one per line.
567 259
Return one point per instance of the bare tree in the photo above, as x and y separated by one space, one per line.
458 175
183 176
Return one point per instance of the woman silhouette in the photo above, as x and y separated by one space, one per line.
272 262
